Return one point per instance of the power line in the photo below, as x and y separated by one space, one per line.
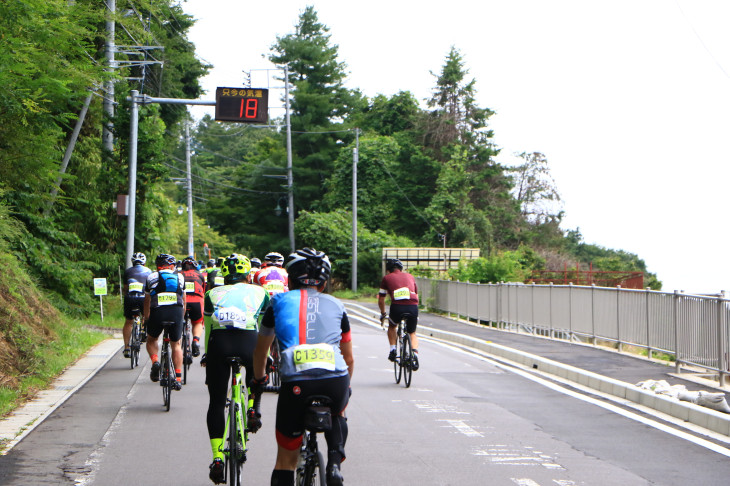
701 41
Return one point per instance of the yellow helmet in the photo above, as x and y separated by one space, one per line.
235 268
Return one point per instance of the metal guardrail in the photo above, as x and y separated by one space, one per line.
691 328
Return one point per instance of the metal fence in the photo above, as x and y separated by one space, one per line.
693 329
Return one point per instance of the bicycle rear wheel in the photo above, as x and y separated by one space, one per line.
234 448
406 354
134 344
187 357
168 374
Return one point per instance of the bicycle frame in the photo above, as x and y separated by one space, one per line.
311 461
236 431
134 340
402 364
167 368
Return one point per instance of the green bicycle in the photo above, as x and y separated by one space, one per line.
236 431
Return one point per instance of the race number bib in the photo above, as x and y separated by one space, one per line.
189 287
401 294
136 287
167 298
219 281
311 356
274 286
232 317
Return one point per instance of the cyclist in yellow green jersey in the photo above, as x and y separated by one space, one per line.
232 315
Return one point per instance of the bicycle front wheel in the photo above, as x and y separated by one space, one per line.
319 471
406 354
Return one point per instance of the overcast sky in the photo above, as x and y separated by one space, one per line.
629 100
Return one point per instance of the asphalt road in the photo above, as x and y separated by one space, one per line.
465 420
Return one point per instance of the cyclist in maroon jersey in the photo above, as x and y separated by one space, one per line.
401 287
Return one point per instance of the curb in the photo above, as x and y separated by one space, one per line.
24 419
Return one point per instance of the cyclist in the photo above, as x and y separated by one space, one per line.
272 276
194 293
255 267
214 277
232 314
307 319
133 291
401 287
164 301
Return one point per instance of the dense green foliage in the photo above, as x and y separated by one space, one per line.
426 174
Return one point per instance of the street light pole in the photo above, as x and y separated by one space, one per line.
131 198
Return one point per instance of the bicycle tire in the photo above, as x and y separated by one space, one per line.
406 360
134 344
319 469
234 464
185 345
397 364
168 374
274 377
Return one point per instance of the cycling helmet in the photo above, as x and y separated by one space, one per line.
189 263
273 258
255 263
220 261
139 258
235 269
308 267
211 263
393 263
163 260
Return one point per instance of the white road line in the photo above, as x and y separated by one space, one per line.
607 406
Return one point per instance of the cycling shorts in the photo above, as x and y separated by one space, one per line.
292 404
396 314
132 303
170 313
195 311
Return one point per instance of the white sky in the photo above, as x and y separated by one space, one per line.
628 99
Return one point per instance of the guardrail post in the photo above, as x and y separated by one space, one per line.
648 325
552 335
675 323
593 314
532 308
618 317
721 365
570 312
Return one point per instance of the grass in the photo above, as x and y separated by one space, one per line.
73 337
363 294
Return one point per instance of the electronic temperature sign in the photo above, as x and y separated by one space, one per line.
244 105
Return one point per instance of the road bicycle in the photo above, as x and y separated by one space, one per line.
167 368
187 349
236 431
311 466
135 339
274 377
403 364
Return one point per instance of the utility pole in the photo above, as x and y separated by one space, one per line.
131 199
191 247
289 179
107 135
355 159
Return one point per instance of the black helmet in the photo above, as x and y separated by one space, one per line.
189 263
255 263
163 260
139 258
211 263
308 267
273 258
235 269
220 261
393 263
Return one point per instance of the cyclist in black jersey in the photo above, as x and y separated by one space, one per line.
133 292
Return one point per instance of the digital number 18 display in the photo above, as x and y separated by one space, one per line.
243 105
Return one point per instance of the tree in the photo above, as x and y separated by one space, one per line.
535 189
319 103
